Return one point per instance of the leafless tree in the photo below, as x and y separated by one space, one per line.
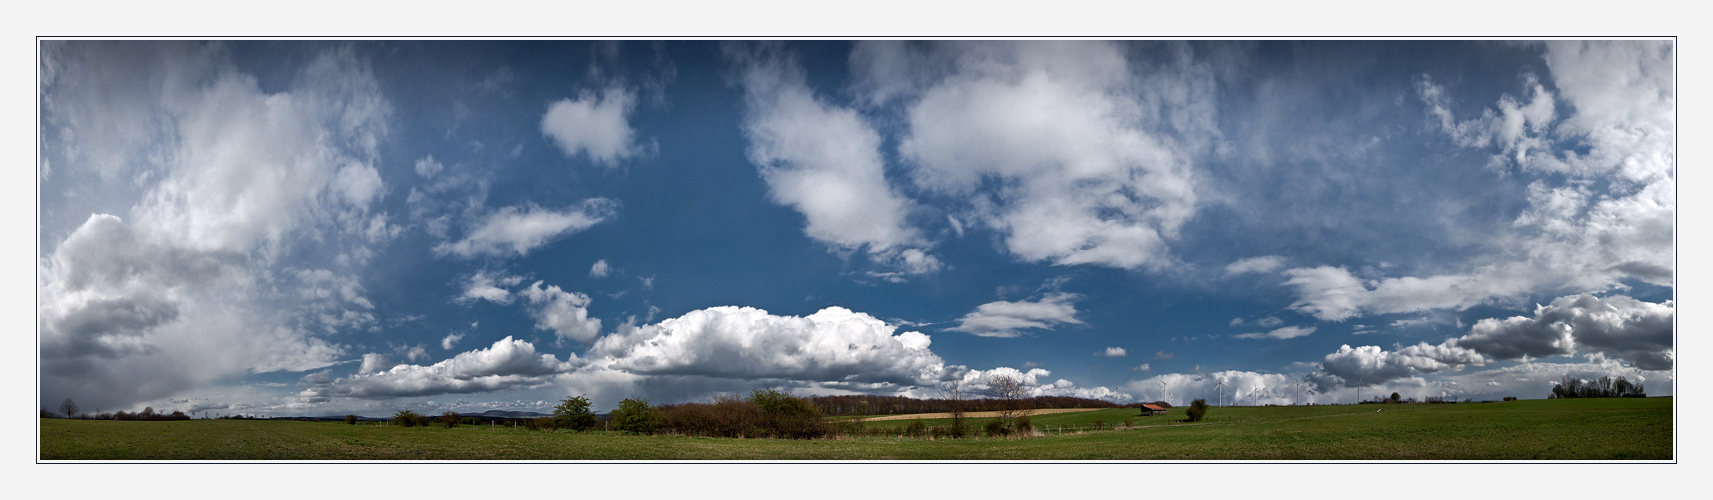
1011 395
953 391
68 407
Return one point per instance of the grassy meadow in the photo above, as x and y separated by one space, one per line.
1564 429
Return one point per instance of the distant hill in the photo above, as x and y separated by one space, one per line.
506 414
492 414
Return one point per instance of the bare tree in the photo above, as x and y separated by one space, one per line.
68 407
953 391
1011 395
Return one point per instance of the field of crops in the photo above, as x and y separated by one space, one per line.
1567 429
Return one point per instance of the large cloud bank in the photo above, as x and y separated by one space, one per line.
1618 328
200 187
718 349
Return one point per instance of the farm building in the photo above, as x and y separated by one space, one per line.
1149 409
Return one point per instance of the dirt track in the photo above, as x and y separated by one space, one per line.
972 414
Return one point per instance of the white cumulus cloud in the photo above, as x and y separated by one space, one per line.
833 345
1113 352
565 313
1095 157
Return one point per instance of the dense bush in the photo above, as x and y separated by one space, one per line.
406 418
1024 425
1510 398
995 428
541 424
1197 410
574 413
449 419
726 416
636 415
351 419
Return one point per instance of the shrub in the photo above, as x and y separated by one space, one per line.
449 419
406 418
1197 410
1099 423
916 428
995 428
1510 398
1025 426
636 415
351 419
937 432
850 427
1129 422
574 413
959 428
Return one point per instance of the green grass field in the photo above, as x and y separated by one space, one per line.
1569 429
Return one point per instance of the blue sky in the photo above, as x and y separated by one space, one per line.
317 228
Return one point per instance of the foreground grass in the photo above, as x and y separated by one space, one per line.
1574 429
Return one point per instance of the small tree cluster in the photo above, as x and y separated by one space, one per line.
1605 387
449 419
406 418
351 419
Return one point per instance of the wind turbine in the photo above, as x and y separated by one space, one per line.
1221 388
1163 391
